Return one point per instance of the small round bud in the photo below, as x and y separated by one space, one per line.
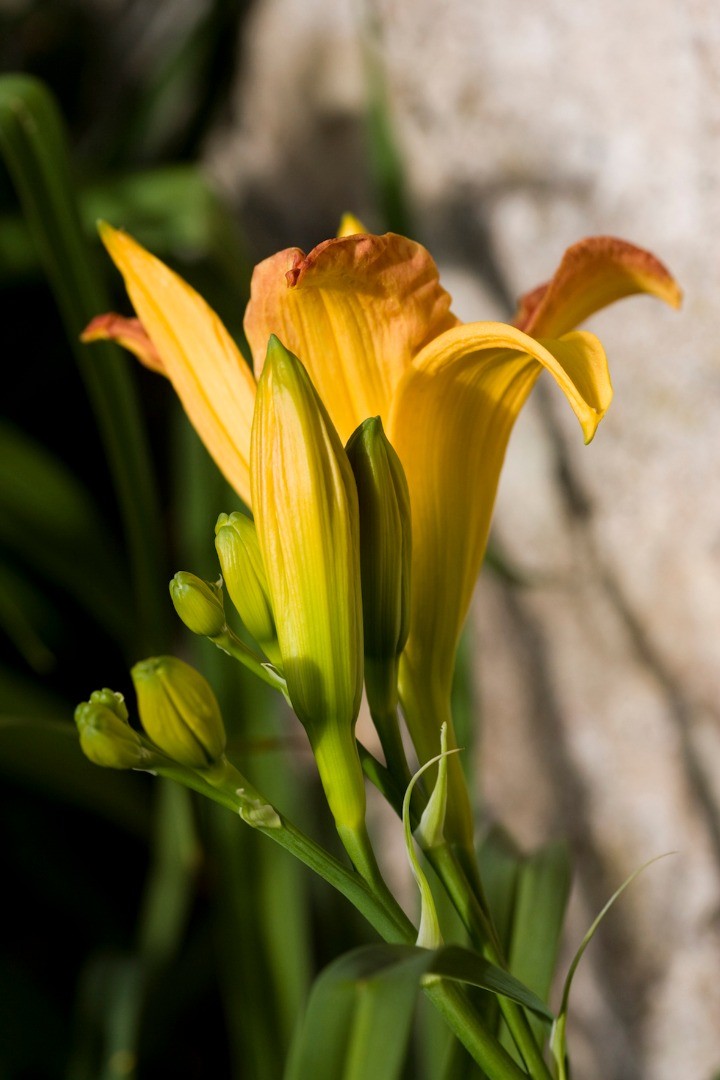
179 711
106 738
198 603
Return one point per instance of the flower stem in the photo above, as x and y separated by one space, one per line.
388 729
228 787
454 1005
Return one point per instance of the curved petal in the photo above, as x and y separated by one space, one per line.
450 425
355 310
592 274
129 333
207 370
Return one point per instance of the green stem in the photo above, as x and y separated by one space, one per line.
230 643
223 788
228 787
454 1005
388 729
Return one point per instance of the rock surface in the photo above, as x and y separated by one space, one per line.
522 128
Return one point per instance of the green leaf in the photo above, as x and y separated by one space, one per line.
46 755
360 1011
500 860
49 520
34 145
107 1019
558 1044
170 882
541 899
24 612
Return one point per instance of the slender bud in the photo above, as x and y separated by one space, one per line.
385 545
179 711
306 513
238 550
106 737
198 603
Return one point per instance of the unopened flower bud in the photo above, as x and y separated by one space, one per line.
385 546
179 711
305 504
236 543
198 603
106 737
112 699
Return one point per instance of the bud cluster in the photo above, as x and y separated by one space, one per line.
178 710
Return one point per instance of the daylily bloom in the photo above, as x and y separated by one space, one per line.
373 327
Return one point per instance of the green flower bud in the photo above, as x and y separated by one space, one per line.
305 504
198 603
236 543
306 513
179 711
112 699
385 542
106 737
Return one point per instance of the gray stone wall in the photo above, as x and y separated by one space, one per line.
525 126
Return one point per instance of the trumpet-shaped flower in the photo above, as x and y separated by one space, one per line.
373 327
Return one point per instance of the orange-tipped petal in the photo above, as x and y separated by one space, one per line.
126 332
592 274
202 361
450 425
355 310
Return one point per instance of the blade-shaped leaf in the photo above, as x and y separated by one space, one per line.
360 1012
34 146
558 1044
49 519
541 898
46 755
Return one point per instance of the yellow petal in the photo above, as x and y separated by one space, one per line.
198 355
129 333
592 274
450 426
355 310
350 226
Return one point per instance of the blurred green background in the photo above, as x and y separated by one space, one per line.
141 931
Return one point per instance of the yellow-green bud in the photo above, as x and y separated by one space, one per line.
243 572
305 504
106 737
198 603
112 699
385 545
306 514
179 711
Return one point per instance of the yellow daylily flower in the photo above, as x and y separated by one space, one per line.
373 327
184 338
